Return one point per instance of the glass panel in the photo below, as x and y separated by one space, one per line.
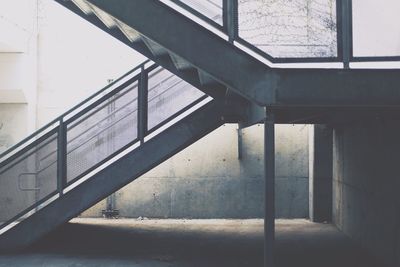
102 131
376 28
290 28
29 178
167 95
209 8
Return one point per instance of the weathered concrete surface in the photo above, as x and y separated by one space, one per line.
320 178
13 124
366 186
183 243
207 180
291 167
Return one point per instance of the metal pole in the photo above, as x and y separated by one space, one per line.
142 105
61 157
269 171
240 142
230 18
347 32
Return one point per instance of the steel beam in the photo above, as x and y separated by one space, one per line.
252 114
345 31
269 171
337 88
125 170
230 14
203 49
61 157
247 76
142 105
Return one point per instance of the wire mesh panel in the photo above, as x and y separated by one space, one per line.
28 178
102 131
290 28
167 95
376 28
211 9
29 171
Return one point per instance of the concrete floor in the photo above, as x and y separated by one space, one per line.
162 243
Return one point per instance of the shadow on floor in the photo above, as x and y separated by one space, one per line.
127 242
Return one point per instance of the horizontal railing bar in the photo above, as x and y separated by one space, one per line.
25 140
93 105
25 149
110 94
200 15
99 105
375 59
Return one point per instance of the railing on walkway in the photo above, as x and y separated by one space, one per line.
299 31
42 167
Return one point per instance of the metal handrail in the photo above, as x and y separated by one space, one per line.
62 125
344 22
47 126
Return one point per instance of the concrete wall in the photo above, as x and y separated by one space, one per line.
18 70
366 186
207 180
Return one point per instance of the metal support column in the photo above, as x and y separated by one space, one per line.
269 170
347 32
240 142
142 105
230 18
61 157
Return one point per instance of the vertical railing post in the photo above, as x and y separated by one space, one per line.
231 18
142 104
346 32
61 157
269 171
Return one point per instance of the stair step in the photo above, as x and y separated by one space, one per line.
107 19
155 48
84 6
130 33
180 63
